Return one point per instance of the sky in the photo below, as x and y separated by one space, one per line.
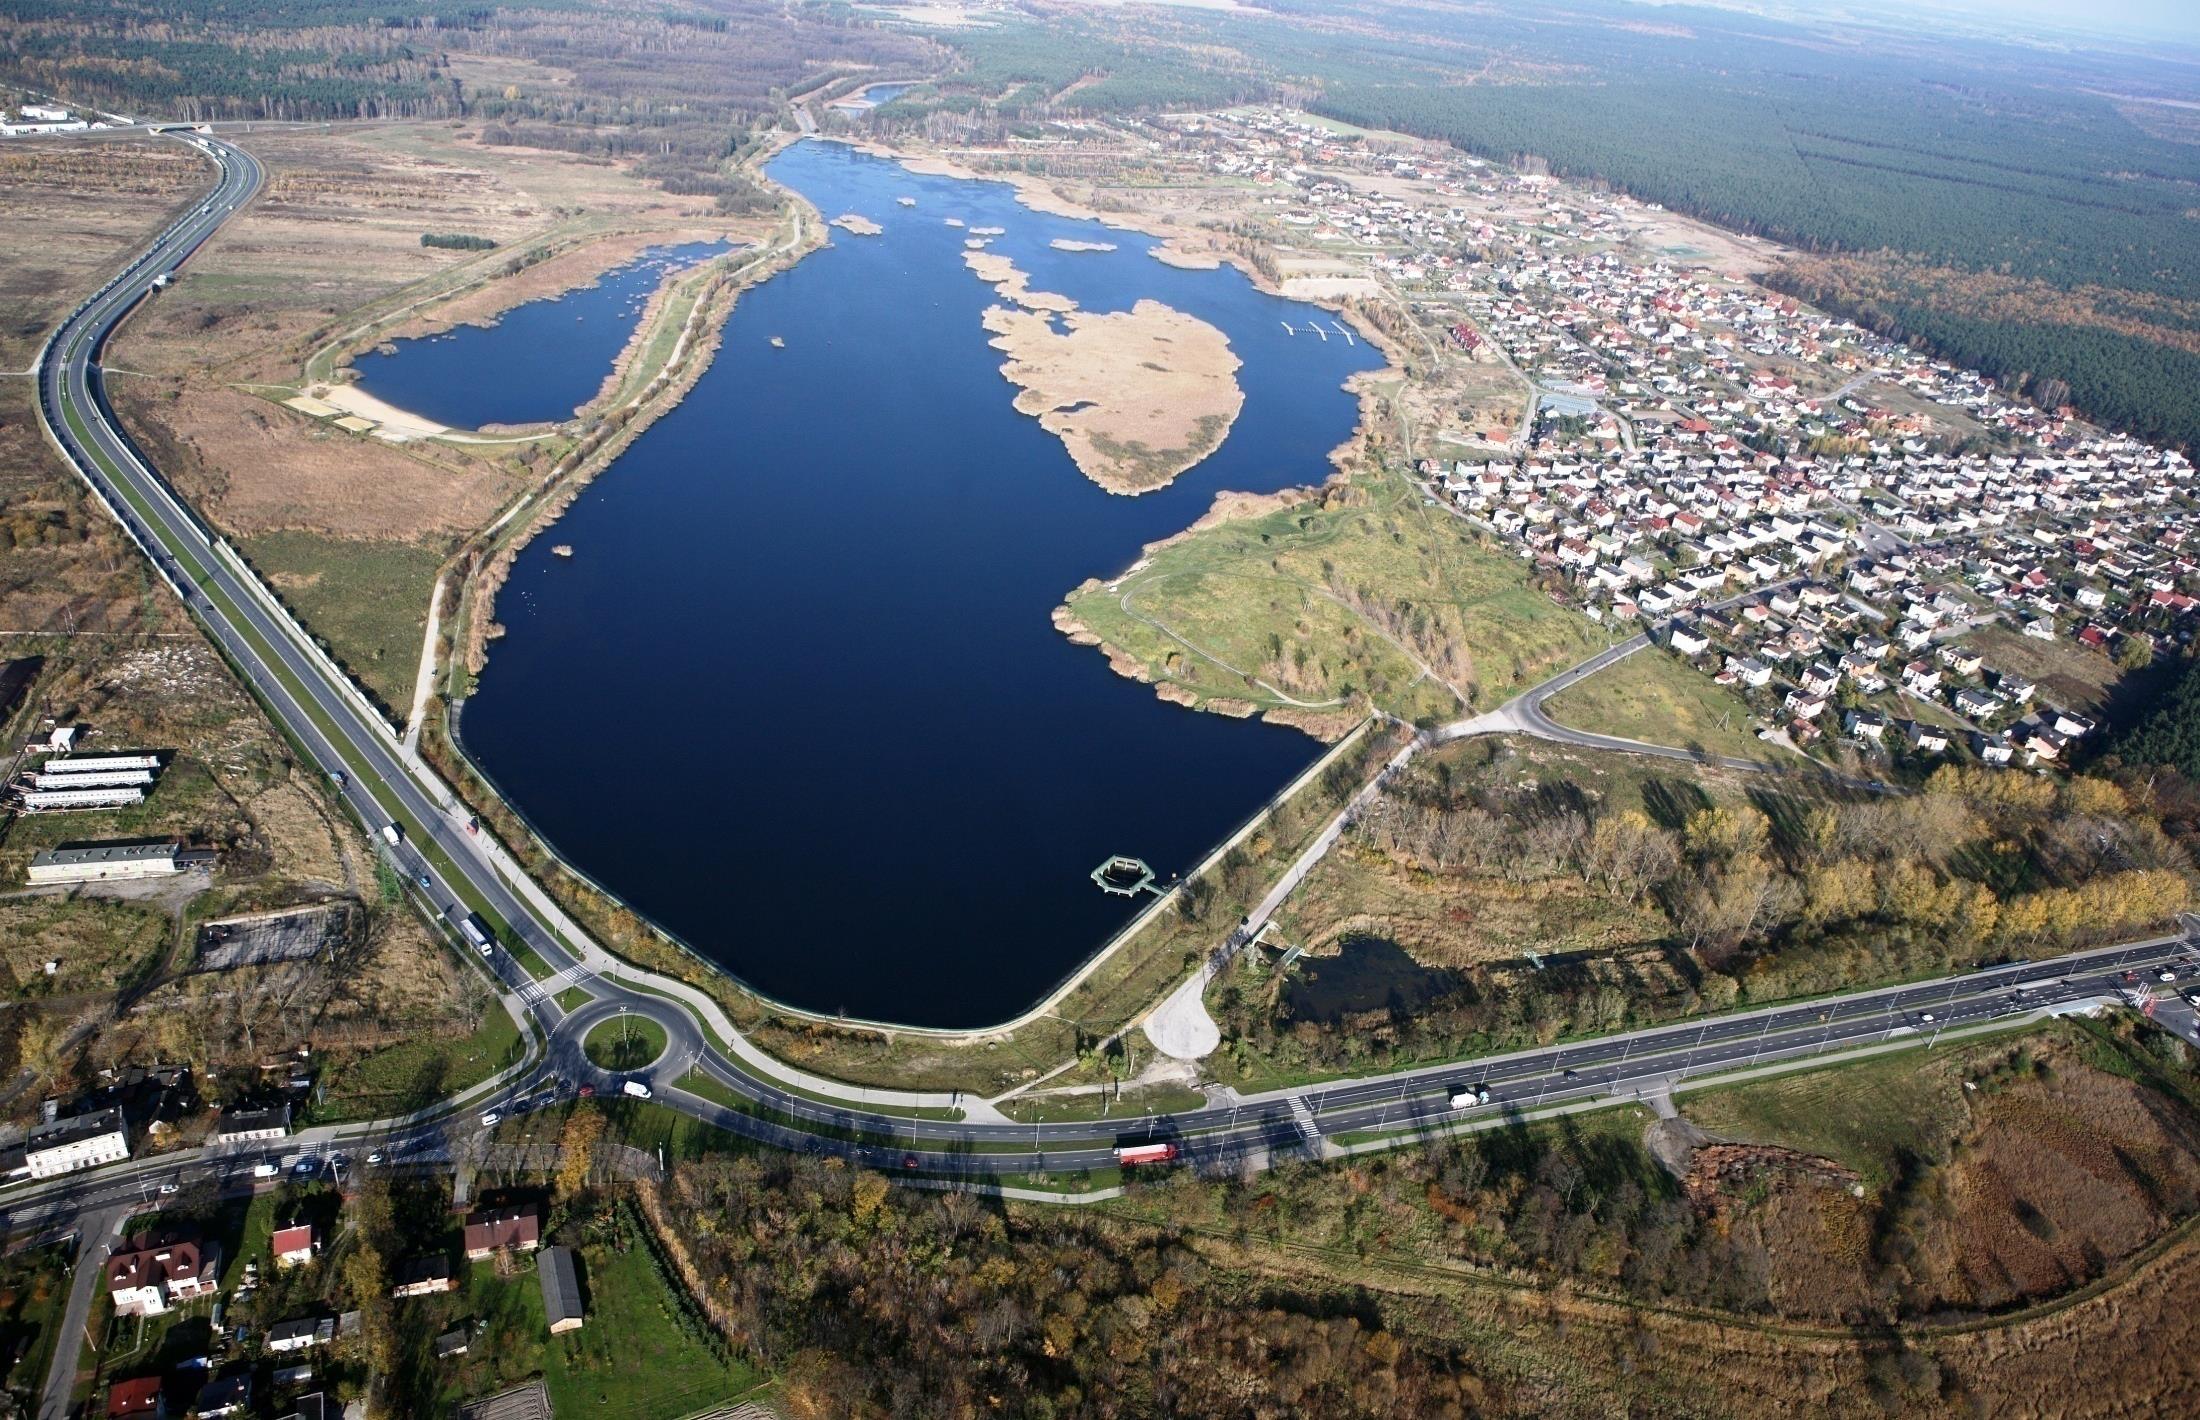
2174 18
2062 21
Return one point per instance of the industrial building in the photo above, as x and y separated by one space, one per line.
105 862
86 781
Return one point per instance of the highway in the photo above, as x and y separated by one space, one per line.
448 865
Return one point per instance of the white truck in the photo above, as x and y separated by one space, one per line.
1468 1096
637 1089
393 833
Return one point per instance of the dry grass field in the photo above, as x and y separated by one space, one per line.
123 661
255 468
339 223
77 206
1989 1174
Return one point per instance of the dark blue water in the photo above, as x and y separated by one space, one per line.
795 695
539 362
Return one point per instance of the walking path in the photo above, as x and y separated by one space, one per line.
424 680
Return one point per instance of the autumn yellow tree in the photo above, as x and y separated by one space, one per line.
577 1149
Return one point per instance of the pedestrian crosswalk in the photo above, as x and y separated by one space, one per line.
534 993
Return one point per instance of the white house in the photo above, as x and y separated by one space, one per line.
81 1141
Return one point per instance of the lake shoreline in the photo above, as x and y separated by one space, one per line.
581 266
844 333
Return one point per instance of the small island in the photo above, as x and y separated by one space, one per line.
1136 396
1013 282
856 224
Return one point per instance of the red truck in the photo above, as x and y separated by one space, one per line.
1127 1154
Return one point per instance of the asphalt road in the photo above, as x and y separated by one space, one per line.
339 733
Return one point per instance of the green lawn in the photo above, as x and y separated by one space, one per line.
625 1042
1346 597
418 1072
641 1352
1654 697
34 1288
1867 1114
367 600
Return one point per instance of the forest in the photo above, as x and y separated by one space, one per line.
2170 732
871 1300
1965 157
1833 137
676 89
1765 896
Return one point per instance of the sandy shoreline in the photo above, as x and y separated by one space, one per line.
398 423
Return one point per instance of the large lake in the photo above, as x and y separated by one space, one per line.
538 363
795 694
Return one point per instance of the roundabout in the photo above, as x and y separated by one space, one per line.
635 1036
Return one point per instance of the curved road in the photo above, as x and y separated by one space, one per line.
451 868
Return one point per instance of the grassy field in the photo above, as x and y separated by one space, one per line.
2069 676
419 1071
98 944
625 1042
1368 593
368 600
1869 1115
1651 696
631 1358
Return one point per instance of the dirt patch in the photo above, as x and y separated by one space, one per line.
1673 1142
